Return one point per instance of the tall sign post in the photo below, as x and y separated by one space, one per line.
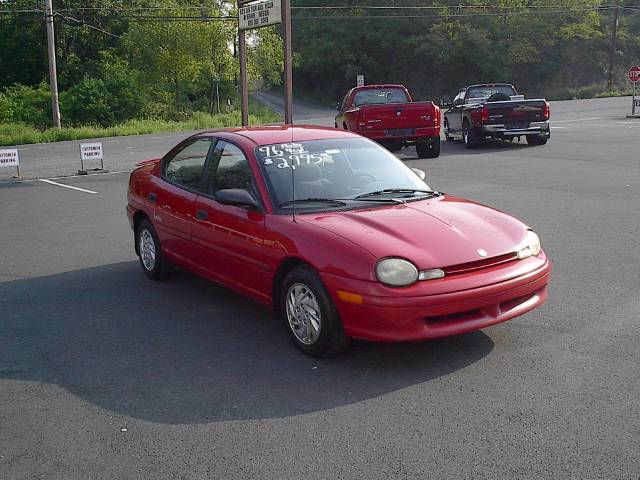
256 14
288 54
634 77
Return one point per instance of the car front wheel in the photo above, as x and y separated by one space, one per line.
151 258
311 317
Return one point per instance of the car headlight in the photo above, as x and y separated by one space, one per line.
396 272
531 247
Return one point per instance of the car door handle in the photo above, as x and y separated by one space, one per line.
153 197
202 215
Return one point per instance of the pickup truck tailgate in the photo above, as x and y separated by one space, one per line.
399 116
519 113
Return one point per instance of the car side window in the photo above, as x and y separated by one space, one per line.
229 168
186 168
459 100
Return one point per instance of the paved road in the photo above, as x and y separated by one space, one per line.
104 374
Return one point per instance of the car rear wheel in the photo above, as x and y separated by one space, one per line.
470 139
311 317
153 262
536 139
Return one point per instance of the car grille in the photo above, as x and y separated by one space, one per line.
480 264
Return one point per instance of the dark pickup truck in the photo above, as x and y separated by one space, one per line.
388 115
495 110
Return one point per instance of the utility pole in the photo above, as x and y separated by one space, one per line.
288 74
53 74
612 52
244 83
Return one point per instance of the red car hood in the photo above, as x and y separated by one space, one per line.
431 233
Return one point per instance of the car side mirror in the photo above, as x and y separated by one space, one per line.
236 196
419 172
445 101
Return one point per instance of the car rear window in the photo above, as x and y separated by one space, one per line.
380 95
485 91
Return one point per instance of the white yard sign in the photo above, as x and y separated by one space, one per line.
90 151
360 80
9 158
260 14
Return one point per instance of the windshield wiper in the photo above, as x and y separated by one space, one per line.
332 201
397 190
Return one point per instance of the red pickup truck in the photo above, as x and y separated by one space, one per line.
388 115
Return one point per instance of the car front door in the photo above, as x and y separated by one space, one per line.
454 115
174 194
229 239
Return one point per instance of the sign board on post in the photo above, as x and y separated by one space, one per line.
90 151
10 158
360 81
634 77
259 14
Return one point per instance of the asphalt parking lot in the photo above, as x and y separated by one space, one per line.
105 374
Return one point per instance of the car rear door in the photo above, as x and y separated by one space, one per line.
229 239
174 194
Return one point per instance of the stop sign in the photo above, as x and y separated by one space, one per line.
634 74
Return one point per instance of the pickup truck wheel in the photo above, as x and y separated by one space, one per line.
311 317
433 148
392 146
151 258
422 149
536 140
468 136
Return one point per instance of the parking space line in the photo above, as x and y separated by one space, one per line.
577 120
51 182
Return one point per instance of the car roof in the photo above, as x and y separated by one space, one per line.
268 134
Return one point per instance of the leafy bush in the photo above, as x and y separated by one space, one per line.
29 105
6 109
111 98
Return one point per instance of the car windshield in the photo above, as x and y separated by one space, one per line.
336 174
485 91
380 95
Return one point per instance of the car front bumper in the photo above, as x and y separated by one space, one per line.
414 313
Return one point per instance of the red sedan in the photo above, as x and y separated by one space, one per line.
335 233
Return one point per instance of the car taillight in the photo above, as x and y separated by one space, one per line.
546 112
480 116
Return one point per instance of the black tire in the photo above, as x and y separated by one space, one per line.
434 148
331 338
392 146
422 149
160 267
468 136
536 139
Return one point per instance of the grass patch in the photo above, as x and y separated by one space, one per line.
590 91
20 134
